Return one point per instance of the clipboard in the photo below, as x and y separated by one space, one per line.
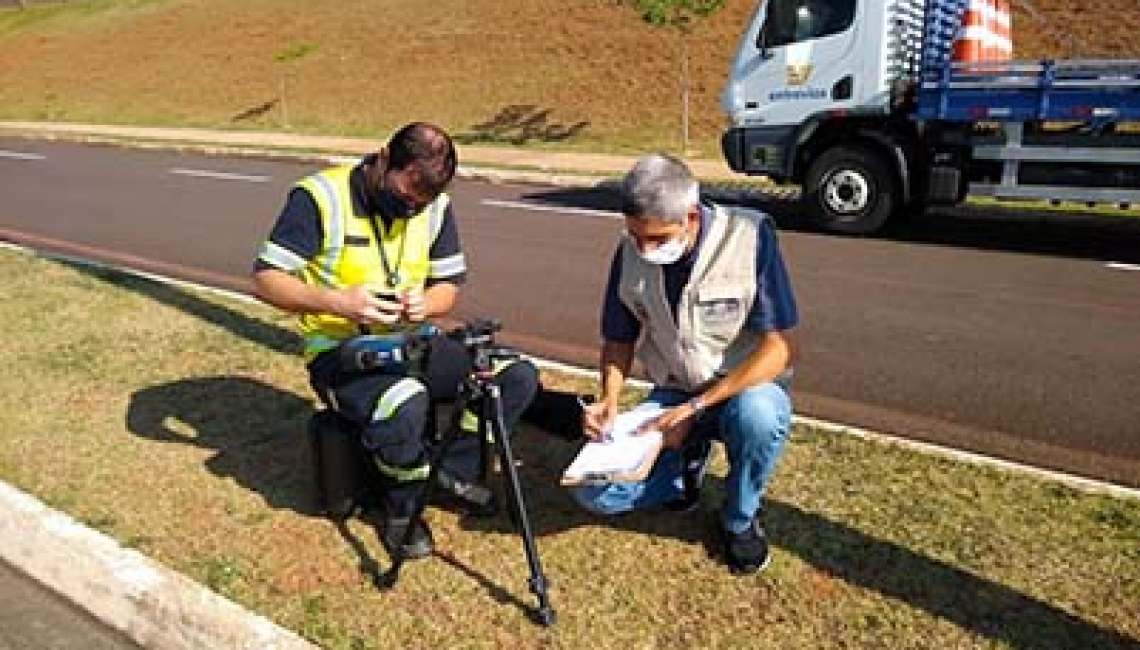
621 457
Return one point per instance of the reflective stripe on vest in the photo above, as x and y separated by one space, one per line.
349 254
403 474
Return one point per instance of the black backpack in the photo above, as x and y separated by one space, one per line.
343 475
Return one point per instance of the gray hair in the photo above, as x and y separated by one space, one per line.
659 186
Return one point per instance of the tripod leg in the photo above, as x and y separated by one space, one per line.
388 579
494 410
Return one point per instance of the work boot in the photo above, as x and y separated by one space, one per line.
400 500
746 551
420 545
472 498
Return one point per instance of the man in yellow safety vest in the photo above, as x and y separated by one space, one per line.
373 248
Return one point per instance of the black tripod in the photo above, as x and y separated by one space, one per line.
479 394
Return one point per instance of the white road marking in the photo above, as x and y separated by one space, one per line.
20 155
224 176
1119 266
538 207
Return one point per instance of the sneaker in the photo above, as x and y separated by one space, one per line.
420 545
746 551
473 498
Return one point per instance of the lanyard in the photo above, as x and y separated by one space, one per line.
393 274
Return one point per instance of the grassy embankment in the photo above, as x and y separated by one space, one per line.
173 421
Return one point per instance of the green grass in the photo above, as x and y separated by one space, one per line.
1104 209
65 16
174 421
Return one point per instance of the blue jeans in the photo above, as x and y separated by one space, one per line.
753 427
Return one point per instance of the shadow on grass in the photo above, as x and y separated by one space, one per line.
256 431
520 124
971 602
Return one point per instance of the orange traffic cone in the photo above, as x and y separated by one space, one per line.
1000 43
970 46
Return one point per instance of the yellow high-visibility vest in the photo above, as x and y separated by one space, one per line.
349 255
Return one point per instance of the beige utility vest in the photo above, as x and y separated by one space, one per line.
708 338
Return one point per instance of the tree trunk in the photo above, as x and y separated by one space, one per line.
684 92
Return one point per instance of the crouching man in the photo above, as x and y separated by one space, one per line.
701 294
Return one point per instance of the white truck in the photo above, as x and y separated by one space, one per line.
865 105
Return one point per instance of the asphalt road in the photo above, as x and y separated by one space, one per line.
34 618
1007 333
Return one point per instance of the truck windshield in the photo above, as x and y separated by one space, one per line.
792 21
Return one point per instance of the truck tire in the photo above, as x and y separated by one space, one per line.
850 190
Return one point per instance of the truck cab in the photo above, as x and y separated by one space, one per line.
807 68
879 109
800 58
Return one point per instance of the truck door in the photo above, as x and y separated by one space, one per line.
795 62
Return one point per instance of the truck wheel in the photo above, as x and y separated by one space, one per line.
850 190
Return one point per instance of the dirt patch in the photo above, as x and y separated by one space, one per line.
578 73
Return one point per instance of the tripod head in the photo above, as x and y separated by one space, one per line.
478 338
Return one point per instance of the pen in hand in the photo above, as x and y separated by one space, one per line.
601 436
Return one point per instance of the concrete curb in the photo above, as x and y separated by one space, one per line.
154 606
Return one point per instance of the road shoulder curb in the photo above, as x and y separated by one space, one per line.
149 603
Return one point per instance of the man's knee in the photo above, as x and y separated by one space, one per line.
519 377
518 383
396 432
759 414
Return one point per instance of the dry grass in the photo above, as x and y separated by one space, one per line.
579 74
174 421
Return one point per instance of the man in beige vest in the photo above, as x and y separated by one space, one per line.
700 293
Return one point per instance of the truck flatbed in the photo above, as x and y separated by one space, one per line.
1093 90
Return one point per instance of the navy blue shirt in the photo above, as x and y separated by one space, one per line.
298 227
773 310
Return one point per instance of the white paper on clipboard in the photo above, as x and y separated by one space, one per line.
621 455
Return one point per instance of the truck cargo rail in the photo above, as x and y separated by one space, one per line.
1098 90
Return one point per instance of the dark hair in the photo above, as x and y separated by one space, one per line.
429 151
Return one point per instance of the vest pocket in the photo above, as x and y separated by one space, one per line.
719 312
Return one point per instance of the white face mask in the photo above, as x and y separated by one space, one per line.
667 253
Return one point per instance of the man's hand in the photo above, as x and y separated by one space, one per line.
362 305
674 425
415 309
597 419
